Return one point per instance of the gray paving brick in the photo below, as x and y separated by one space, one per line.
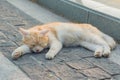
116 77
24 60
23 22
41 57
9 31
115 56
74 53
2 36
4 43
66 54
96 73
107 65
80 64
5 52
64 72
4 8
37 72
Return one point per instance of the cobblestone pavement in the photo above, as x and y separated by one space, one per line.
70 64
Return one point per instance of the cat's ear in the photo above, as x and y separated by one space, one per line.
43 32
24 32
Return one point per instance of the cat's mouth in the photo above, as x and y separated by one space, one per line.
37 52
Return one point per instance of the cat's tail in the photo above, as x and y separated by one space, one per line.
111 42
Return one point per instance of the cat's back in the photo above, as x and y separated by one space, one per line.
69 26
66 27
62 25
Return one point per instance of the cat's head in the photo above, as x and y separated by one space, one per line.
36 40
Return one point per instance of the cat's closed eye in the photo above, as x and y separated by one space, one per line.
32 45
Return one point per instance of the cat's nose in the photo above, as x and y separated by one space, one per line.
37 50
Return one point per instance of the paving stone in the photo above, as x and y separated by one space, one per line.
115 55
14 36
24 23
4 43
37 72
10 32
92 78
7 51
107 65
80 64
4 26
64 72
6 54
108 79
2 36
9 11
4 8
96 73
41 57
48 76
23 60
16 17
116 77
74 53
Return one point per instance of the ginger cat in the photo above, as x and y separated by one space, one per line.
55 35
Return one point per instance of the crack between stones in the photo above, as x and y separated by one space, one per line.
46 68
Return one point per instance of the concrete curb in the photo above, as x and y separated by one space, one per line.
80 13
8 71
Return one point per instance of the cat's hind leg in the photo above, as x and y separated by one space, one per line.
97 49
97 39
111 42
20 51
100 41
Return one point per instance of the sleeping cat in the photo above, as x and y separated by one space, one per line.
56 35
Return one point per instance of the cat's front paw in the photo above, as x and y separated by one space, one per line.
16 54
98 54
49 56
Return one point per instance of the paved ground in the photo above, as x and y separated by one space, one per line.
70 64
